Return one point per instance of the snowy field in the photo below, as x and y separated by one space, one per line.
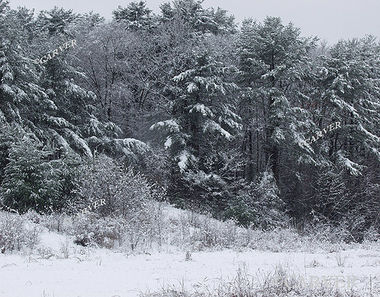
59 268
106 274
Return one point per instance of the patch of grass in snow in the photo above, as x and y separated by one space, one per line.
280 283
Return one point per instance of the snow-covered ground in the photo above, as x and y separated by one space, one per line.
104 273
57 267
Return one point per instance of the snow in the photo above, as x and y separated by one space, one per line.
201 108
107 273
95 127
79 142
371 136
192 87
215 127
171 125
7 89
183 160
58 267
60 140
353 168
182 76
132 145
59 122
168 143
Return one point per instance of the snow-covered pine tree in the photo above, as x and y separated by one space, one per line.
330 200
350 88
202 119
19 89
56 21
30 179
199 19
274 64
8 135
347 81
136 16
71 106
258 204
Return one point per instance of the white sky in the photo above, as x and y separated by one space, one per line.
330 20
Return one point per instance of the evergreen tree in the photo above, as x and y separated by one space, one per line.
202 119
136 16
350 89
30 179
259 204
273 60
330 198
199 19
56 21
19 87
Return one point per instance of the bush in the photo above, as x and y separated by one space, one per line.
14 234
103 232
56 222
129 204
125 193
119 232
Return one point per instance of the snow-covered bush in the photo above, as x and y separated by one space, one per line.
119 232
57 222
278 240
214 234
146 230
371 235
191 231
130 206
89 229
14 234
33 217
125 192
45 252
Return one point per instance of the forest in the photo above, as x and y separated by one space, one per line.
190 107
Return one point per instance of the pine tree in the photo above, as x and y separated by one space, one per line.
30 179
202 119
330 199
19 89
199 19
350 90
56 21
136 16
346 81
273 60
258 204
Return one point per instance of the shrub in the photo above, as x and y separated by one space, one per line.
103 232
55 222
14 234
114 232
129 204
126 193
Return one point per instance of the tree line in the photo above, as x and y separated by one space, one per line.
215 113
